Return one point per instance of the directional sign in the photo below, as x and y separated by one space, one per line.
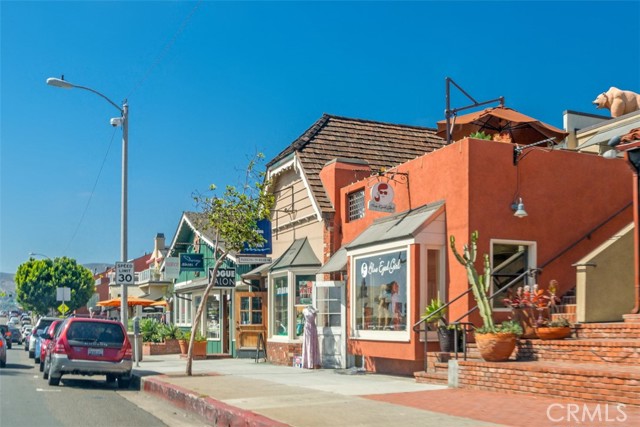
62 308
63 294
124 273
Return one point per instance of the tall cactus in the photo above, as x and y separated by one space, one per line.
479 284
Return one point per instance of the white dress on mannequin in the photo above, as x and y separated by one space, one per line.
310 350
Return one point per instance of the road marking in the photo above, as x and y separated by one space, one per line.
42 389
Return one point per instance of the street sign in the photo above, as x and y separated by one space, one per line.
124 273
172 267
62 308
248 259
225 277
63 294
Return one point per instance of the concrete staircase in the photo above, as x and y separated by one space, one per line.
600 363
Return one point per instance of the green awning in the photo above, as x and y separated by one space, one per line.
299 254
337 262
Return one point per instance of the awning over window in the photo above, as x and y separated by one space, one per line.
397 227
258 272
337 262
299 254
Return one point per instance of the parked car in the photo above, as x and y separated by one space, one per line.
15 320
6 334
3 351
25 320
47 339
86 346
16 336
26 334
34 339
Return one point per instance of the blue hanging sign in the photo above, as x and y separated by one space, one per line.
264 228
191 262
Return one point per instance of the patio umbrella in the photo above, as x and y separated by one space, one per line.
161 303
131 301
524 130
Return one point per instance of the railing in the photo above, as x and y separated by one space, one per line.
149 275
457 324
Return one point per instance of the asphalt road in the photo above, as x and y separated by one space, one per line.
27 400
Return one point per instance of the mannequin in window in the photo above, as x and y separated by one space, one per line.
384 299
310 350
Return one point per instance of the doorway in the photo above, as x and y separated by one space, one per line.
330 301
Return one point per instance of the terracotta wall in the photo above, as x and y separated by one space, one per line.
566 194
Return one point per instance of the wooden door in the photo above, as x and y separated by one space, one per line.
251 318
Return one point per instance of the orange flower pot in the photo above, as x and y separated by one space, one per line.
495 347
554 333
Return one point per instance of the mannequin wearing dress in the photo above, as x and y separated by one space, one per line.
310 350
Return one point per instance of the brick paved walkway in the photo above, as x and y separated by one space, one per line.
514 409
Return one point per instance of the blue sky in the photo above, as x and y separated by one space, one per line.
211 83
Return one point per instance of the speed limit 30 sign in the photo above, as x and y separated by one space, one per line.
124 273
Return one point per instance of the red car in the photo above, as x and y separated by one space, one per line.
47 340
90 346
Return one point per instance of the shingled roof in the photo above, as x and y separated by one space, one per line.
382 145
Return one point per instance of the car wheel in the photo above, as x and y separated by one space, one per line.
9 345
41 366
54 380
124 382
111 378
36 359
32 354
45 374
3 363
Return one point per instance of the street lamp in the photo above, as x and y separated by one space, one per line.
123 121
32 254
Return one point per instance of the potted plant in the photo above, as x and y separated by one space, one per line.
183 341
200 345
435 314
495 342
554 330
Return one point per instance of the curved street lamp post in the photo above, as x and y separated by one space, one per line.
123 121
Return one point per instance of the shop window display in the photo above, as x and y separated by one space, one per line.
280 306
213 317
381 291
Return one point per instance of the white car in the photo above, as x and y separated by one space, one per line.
26 334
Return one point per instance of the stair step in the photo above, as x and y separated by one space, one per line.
431 377
571 317
592 350
603 383
614 330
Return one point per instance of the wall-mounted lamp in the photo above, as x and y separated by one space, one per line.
518 209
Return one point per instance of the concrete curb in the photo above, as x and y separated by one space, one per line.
212 411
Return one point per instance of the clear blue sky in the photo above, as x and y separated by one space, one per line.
206 92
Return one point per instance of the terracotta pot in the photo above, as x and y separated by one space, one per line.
199 348
495 347
554 333
184 346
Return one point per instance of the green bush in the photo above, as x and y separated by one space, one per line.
168 332
149 329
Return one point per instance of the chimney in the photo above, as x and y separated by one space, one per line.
158 245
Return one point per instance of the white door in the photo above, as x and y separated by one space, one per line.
330 300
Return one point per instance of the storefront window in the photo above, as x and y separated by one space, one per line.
213 317
381 286
187 318
304 287
280 306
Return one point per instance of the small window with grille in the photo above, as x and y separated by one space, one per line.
355 205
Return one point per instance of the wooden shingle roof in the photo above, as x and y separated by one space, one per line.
382 145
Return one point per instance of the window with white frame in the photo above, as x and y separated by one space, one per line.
355 205
381 291
280 324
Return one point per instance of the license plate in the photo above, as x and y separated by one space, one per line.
95 351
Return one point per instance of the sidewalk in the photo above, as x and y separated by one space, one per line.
241 392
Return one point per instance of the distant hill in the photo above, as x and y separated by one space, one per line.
6 283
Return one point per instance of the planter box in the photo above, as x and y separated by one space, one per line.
167 347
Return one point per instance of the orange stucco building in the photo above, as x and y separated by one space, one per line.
574 201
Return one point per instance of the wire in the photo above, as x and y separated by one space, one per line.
165 49
86 208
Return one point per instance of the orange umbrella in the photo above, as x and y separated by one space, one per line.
131 301
162 303
524 130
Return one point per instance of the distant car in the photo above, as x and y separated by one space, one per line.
6 334
25 320
47 339
3 351
34 339
26 334
16 336
86 346
15 320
